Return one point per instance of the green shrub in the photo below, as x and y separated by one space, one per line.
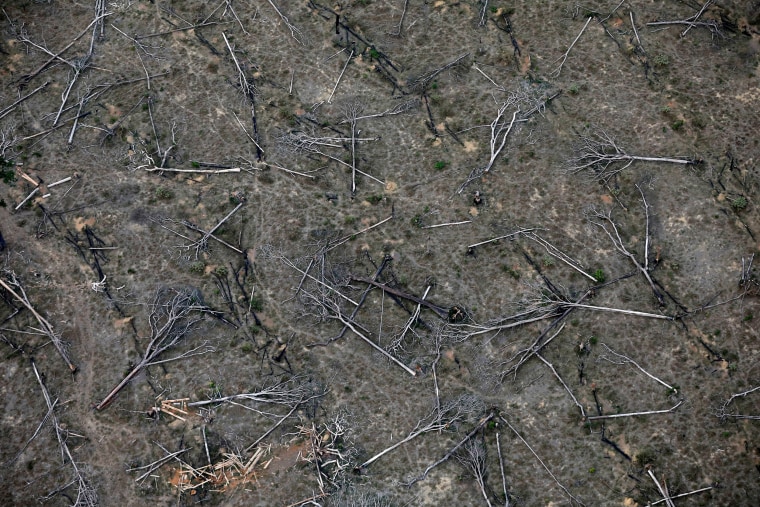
599 276
739 203
661 60
440 165
198 267
164 193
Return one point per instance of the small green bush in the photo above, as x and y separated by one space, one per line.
256 304
599 276
198 267
739 203
661 60
164 193
677 125
440 165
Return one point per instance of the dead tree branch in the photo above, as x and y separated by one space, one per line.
600 153
501 467
291 393
693 21
294 31
46 328
472 457
10 108
452 412
422 82
340 76
567 388
605 222
621 359
452 452
563 488
634 414
86 494
247 87
508 116
562 59
700 490
174 314
723 412
663 490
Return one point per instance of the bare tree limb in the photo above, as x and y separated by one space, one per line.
174 313
562 59
563 488
633 414
86 494
47 329
600 153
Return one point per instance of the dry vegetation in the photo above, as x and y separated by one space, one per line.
381 252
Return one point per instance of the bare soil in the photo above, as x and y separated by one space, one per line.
327 141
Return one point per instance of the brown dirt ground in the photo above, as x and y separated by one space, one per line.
665 94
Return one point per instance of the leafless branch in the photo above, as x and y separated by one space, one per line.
337 82
422 82
452 452
663 491
723 412
562 59
294 31
86 494
174 313
10 108
621 359
634 414
472 456
501 467
700 490
569 391
452 412
605 222
563 488
600 153
692 21
15 289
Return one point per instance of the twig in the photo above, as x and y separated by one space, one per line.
501 467
665 495
447 224
453 450
618 310
198 171
684 494
353 328
626 359
294 32
355 234
551 367
22 99
567 492
558 70
46 327
86 494
633 414
329 100
511 234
